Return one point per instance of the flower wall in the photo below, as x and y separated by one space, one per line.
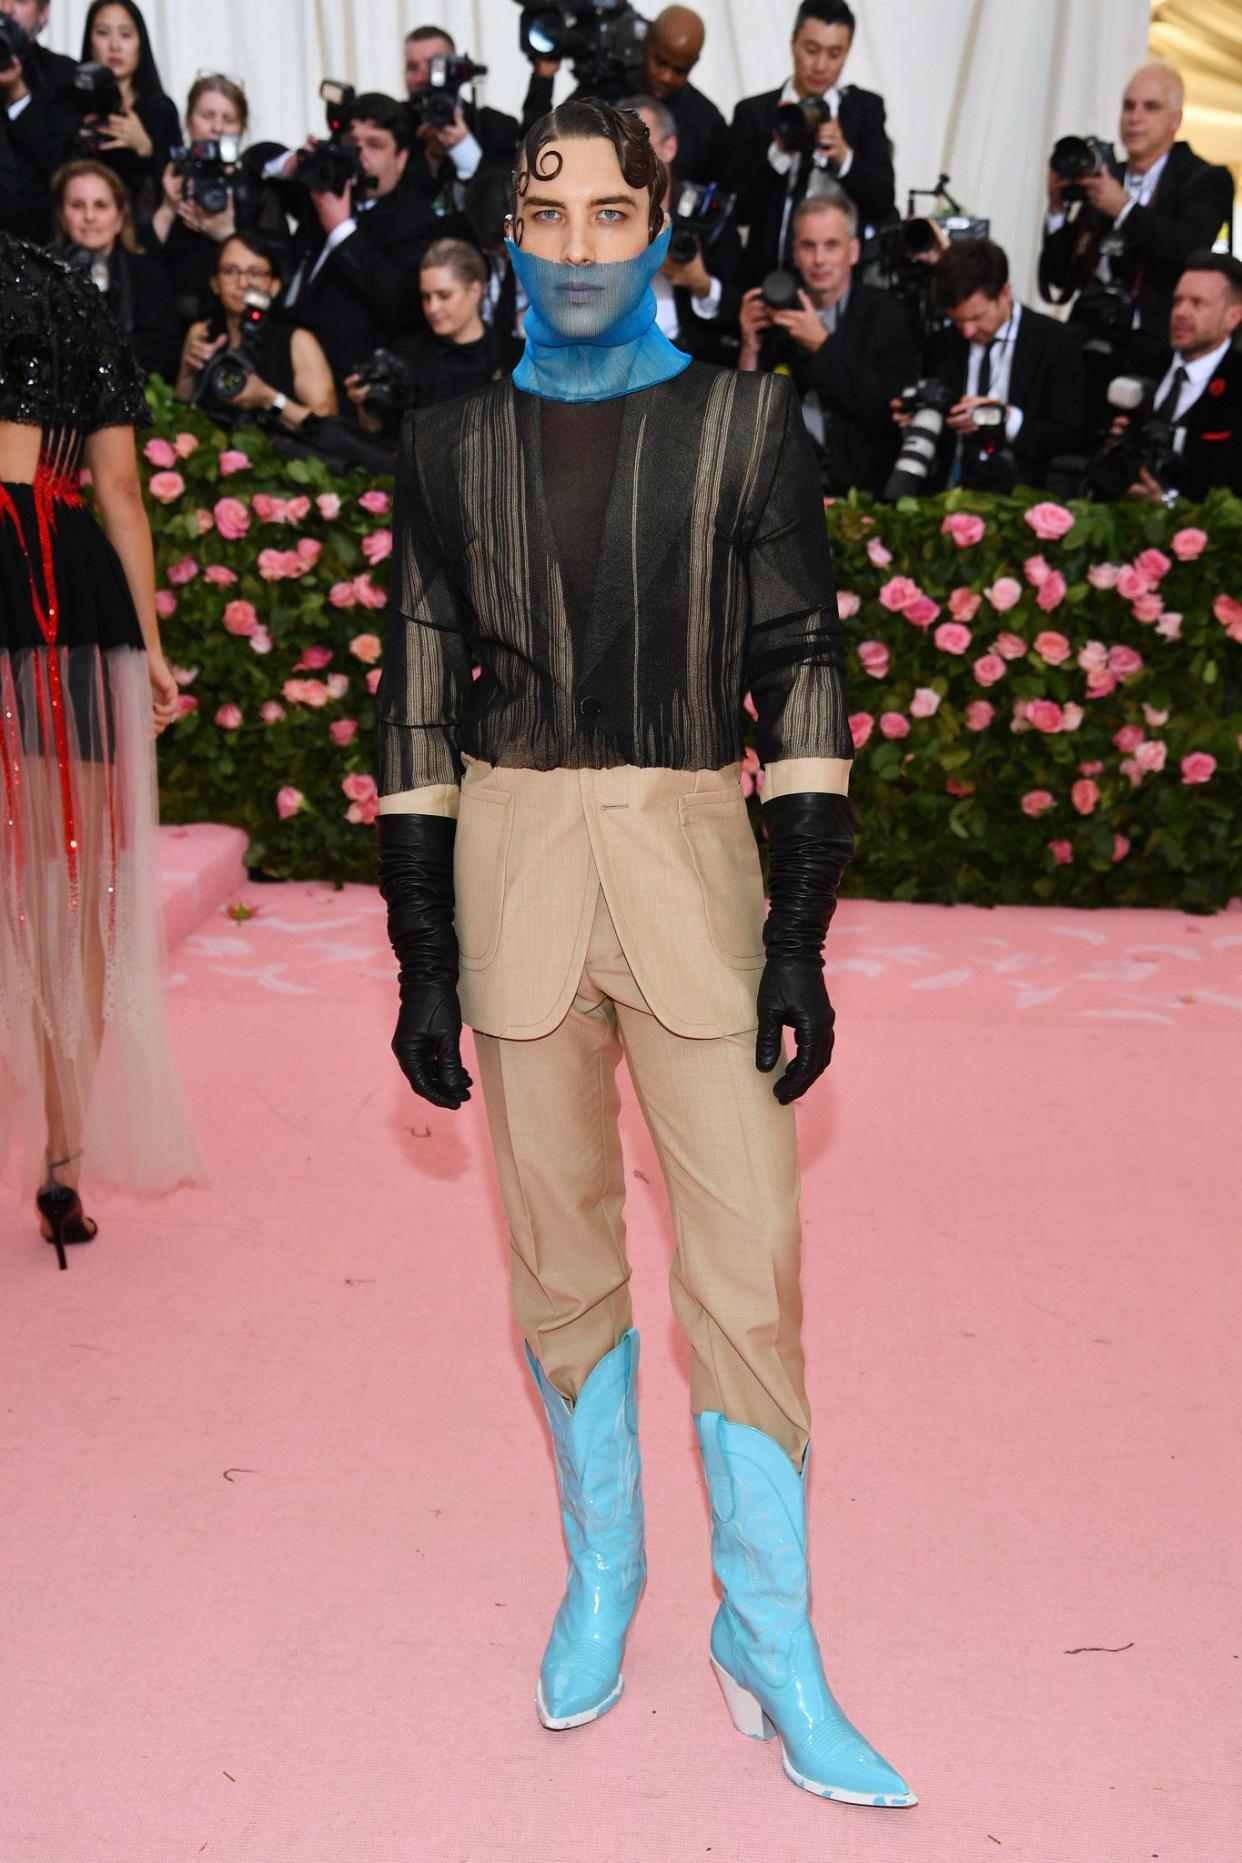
1046 702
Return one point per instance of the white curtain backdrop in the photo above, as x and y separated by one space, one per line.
980 88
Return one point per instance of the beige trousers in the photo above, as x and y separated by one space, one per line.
727 1152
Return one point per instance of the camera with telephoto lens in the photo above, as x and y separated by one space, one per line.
797 124
896 259
436 102
1076 159
391 382
329 167
929 402
988 463
1105 314
226 375
699 216
15 41
207 171
96 93
603 39
1144 443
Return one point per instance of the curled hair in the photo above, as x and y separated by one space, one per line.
585 120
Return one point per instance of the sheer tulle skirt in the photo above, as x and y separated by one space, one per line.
85 1062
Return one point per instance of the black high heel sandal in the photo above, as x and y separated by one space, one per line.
61 1209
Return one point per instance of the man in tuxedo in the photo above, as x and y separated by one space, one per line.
849 348
355 283
41 122
450 155
1199 393
997 349
628 542
1141 217
697 299
851 145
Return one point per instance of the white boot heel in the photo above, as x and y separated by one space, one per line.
748 1716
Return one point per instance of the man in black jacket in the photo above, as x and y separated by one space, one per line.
849 348
851 143
449 155
697 298
42 124
1141 218
1199 392
997 350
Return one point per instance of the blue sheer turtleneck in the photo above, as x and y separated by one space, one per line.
591 330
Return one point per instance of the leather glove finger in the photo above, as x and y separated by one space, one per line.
814 1038
768 1040
415 1058
453 1075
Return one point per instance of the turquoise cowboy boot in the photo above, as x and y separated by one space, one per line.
763 1648
600 1477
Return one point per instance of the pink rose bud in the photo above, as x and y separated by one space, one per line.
342 595
1121 847
1103 575
165 603
217 573
160 453
1062 852
979 714
1099 685
357 787
271 711
952 637
1010 646
873 658
229 717
1128 738
1052 647
232 460
964 527
1071 717
1153 564
1132 582
183 571
1038 802
1169 627
367 648
377 548
1228 611
877 555
925 703
848 604
1037 570
1188 544
1151 755
329 506
232 518
1090 769
862 724
1198 767
1004 594
964 604
338 685
894 724
364 811
897 591
1155 719
1124 661
1085 795
1044 715
989 667
1093 658
1049 521
260 641
298 509
313 659
343 731
376 502
1147 608
1051 592
288 801
240 618
186 702
185 444
921 612
184 675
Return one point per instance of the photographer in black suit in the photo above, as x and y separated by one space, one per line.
997 350
848 347
478 137
1199 393
849 142
41 124
697 298
1139 219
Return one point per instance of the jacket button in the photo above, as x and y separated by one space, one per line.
589 708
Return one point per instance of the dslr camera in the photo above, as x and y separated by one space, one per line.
227 374
207 170
95 93
1144 443
602 39
391 383
699 216
330 166
15 41
1075 159
987 458
797 124
929 402
436 103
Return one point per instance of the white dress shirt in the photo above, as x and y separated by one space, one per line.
1140 188
999 368
1198 374
666 304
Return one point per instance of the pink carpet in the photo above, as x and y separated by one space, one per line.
279 1539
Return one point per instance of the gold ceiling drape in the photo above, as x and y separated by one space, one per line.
1203 39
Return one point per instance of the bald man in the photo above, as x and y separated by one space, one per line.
1143 215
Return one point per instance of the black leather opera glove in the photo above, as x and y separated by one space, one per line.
810 841
416 882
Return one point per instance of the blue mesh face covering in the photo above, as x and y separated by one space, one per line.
591 330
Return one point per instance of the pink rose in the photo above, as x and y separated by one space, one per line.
1198 767
1004 594
1037 570
165 604
232 460
964 604
1131 583
377 548
1124 661
925 703
288 801
229 717
1100 685
1062 852
342 595
1228 612
232 518
1169 627
1044 715
364 812
359 788
897 591
298 509
1103 575
1071 717
1147 608
952 637
848 604
988 668
979 714
186 703
1010 646
894 724
338 685
873 658
1051 591
1188 544
313 659
217 573
160 453
1128 738
1052 647
308 552
1154 717
278 565
953 785
862 724
1085 795
367 648
1090 769
184 445
329 506
343 731
373 679
922 611
376 502
964 528
1130 768
267 509
1153 564
1093 658
271 711
240 618
1151 755
1049 521
184 675
183 572
368 594
1121 847
260 641
877 555
1038 802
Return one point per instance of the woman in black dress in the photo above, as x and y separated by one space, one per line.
85 1070
137 140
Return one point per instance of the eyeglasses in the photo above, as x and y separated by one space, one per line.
245 274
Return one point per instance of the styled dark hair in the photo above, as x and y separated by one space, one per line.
967 266
146 77
827 12
216 84
263 247
585 120
431 32
386 113
1223 263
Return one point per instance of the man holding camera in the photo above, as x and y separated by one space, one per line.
476 137
1199 395
998 353
848 347
814 131
696 288
356 284
1128 228
40 123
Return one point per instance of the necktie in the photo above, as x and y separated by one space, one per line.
1167 411
985 371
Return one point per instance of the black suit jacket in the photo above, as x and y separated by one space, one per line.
761 192
702 136
1211 432
1193 199
871 357
714 339
41 138
1046 380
